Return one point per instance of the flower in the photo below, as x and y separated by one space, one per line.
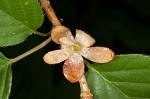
72 50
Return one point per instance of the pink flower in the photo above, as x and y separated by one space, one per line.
72 50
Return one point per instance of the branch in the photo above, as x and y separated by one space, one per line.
85 91
45 4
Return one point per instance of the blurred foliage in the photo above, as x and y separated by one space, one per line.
121 25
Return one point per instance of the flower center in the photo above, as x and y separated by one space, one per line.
77 47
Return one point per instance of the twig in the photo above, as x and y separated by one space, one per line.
85 91
45 4
31 51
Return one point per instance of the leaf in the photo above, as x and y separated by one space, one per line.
3 61
5 77
126 77
18 20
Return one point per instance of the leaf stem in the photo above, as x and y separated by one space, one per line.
42 34
44 43
85 91
45 4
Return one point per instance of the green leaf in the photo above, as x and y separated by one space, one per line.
5 77
126 77
18 20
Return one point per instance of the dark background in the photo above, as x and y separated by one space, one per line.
121 25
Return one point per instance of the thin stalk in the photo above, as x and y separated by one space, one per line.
45 4
42 34
14 60
85 91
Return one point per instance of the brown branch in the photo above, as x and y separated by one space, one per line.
45 4
85 91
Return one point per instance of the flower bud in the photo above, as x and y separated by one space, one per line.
59 32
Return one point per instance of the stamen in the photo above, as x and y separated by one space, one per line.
77 47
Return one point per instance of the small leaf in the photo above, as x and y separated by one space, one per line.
3 61
126 77
5 77
18 20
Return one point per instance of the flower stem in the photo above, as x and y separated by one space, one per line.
85 91
14 60
45 4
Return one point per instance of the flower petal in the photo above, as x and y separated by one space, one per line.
73 68
98 54
66 41
57 56
84 39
